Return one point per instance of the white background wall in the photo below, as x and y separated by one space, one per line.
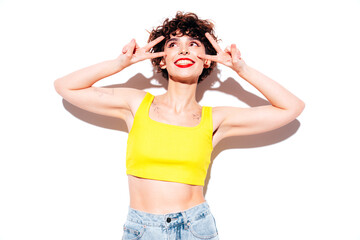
62 170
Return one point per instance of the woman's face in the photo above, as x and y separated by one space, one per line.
181 59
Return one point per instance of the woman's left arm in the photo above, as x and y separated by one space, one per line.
233 121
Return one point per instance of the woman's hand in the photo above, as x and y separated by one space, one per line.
133 53
230 57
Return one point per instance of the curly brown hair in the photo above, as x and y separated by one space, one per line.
183 24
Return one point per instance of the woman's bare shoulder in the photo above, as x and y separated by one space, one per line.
132 96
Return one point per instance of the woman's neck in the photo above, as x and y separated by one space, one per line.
180 96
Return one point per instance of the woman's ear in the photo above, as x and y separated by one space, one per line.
162 64
207 63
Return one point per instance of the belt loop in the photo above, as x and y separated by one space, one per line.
186 221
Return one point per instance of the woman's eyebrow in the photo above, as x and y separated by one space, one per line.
172 40
195 39
177 39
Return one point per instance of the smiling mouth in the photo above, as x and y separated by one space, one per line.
184 62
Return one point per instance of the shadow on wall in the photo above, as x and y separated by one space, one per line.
229 86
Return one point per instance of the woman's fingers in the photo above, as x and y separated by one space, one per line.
228 50
213 42
235 53
153 43
131 48
156 54
209 57
124 50
230 57
136 46
126 47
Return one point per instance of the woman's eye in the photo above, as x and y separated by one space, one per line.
171 45
194 44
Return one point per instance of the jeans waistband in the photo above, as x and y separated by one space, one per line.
164 220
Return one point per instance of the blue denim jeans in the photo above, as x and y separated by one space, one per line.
192 224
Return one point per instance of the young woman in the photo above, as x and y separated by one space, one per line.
171 136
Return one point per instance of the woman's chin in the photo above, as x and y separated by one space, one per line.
185 79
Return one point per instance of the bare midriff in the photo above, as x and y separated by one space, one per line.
160 197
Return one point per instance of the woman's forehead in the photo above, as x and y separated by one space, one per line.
186 37
180 33
181 37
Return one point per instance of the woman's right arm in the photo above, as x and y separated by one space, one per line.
77 87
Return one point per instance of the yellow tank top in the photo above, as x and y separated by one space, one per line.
167 152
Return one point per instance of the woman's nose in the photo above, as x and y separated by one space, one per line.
184 51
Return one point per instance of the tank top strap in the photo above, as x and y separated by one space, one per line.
143 109
207 121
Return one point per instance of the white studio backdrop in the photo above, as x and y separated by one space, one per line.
62 170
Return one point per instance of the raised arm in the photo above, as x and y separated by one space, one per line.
232 121
77 87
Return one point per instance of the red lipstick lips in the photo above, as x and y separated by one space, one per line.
184 62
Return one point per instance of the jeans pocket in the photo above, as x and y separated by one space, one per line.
133 231
204 228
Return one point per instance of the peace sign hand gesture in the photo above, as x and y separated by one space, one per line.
133 53
230 57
